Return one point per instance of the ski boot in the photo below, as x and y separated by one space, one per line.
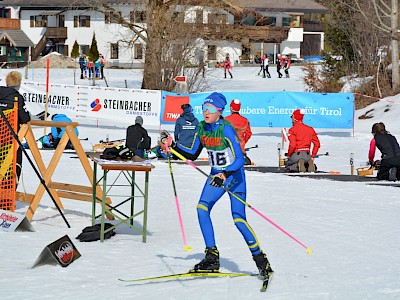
301 165
393 174
262 263
311 166
210 263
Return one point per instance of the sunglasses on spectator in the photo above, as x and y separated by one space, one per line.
211 109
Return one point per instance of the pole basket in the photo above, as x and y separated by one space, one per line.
8 155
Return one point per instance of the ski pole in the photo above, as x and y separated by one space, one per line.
180 156
186 247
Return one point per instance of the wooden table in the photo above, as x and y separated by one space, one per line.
126 169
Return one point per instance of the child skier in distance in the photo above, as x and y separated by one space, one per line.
226 161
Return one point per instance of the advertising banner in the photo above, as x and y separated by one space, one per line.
272 109
94 102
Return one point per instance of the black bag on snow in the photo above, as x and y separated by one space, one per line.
117 152
92 233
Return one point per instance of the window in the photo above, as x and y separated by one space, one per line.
138 51
199 16
286 21
114 51
3 50
111 17
38 21
248 19
217 19
138 17
5 13
178 17
296 21
271 21
61 20
81 21
211 52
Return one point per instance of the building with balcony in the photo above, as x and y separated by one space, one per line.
15 46
262 26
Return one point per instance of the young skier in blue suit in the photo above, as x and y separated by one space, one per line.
226 160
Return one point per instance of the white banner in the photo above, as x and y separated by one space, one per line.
94 102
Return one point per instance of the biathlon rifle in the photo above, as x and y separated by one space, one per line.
322 154
113 141
247 149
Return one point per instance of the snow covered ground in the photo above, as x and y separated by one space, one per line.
352 227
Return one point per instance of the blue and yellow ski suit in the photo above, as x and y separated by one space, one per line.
225 156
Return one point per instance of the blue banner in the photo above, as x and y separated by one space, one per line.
272 109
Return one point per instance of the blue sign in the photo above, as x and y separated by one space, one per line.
273 109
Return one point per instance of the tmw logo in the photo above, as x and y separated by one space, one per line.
95 105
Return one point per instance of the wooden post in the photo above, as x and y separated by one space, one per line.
352 163
47 91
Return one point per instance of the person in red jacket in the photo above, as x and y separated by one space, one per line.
241 125
227 66
301 137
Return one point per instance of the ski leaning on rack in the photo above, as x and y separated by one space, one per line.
202 274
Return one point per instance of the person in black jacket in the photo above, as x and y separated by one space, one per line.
137 138
387 144
7 96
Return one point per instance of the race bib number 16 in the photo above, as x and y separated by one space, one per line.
220 159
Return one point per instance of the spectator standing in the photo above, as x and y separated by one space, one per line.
102 65
265 67
82 65
286 66
279 64
227 66
262 65
186 126
97 66
242 127
7 96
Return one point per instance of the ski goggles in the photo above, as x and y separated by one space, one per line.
211 109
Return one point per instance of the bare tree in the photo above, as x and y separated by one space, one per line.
370 27
385 11
170 36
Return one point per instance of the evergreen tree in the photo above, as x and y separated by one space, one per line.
93 52
93 55
75 50
75 55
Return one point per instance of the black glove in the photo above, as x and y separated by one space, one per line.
217 181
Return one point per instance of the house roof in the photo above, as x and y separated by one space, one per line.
17 38
304 6
61 3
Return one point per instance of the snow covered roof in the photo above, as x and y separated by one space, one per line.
304 6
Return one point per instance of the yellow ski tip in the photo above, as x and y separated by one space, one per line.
309 251
188 249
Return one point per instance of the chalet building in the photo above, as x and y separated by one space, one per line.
267 26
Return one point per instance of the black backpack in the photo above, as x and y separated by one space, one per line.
117 152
